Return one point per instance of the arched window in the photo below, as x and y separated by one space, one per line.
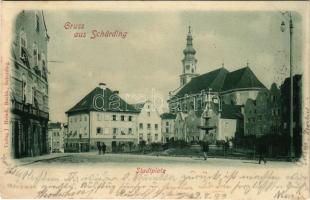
22 44
35 55
43 66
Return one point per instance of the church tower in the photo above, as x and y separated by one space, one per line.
189 61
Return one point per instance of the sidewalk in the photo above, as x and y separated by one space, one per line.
30 160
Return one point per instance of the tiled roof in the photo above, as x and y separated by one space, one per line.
93 102
167 116
221 80
213 79
241 78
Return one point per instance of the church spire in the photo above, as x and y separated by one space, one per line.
189 61
189 44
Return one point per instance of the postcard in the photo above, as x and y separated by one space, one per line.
155 100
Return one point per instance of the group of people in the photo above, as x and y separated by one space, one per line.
101 147
261 149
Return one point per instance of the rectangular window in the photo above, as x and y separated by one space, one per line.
148 126
114 117
99 130
122 118
140 126
156 137
129 131
148 114
130 118
115 131
141 136
156 126
167 123
167 130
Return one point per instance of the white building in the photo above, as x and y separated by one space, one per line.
148 123
102 116
56 132
167 126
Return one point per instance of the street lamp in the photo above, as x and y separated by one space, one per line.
283 28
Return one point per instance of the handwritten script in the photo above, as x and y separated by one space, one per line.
192 184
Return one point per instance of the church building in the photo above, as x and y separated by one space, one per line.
219 86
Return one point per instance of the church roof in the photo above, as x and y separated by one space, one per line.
213 79
93 102
240 79
221 80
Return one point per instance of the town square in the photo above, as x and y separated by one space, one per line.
187 92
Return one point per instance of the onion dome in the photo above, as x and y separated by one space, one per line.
189 45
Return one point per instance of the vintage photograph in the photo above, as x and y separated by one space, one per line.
153 89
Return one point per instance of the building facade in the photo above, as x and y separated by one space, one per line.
56 133
29 86
168 126
297 111
148 123
101 116
263 115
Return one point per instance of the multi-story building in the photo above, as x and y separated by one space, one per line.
263 115
297 111
148 123
29 85
167 126
101 116
56 132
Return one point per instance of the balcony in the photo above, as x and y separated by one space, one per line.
21 108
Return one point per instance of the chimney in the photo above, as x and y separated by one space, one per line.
102 86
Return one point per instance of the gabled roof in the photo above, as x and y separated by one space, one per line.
138 106
168 116
221 80
93 102
54 125
213 79
240 79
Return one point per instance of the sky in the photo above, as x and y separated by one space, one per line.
148 60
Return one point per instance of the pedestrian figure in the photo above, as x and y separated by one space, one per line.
99 148
104 147
205 147
261 151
